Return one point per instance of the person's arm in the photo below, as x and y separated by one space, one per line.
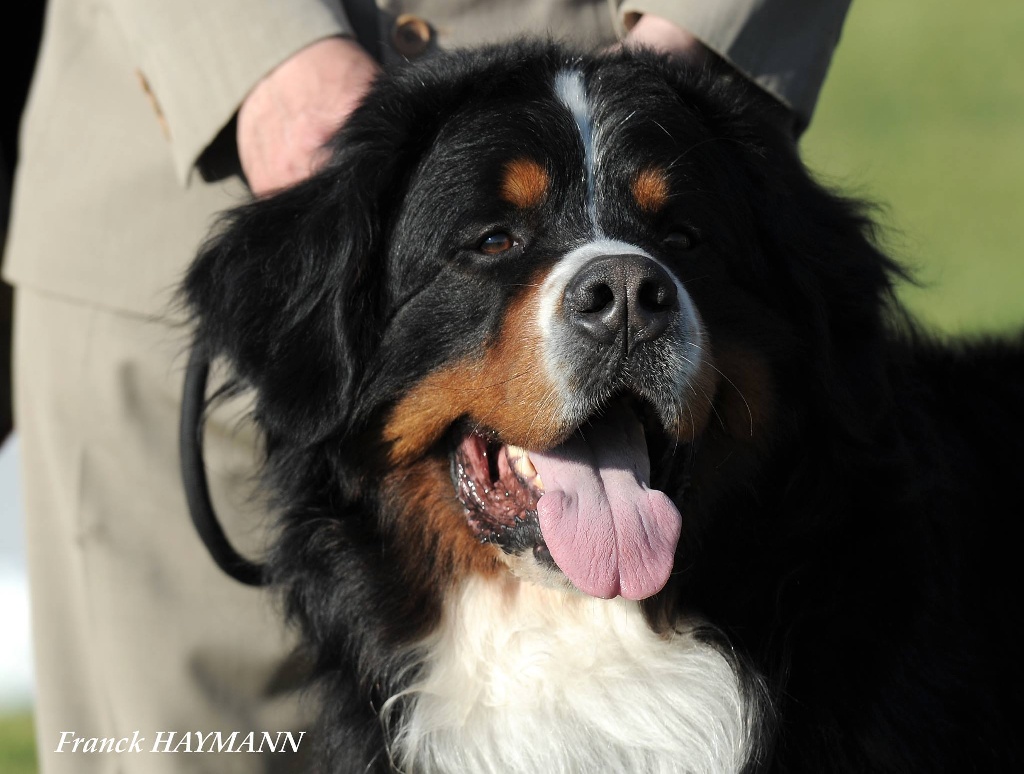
785 46
290 114
200 59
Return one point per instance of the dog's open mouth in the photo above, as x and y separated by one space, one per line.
586 504
500 489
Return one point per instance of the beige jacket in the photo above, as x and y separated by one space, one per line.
109 203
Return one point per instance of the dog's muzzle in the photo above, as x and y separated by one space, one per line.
620 299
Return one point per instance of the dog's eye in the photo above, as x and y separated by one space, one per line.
495 243
680 239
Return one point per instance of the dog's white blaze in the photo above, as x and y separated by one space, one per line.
524 679
571 92
686 364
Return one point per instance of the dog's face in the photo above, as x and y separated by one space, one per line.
530 300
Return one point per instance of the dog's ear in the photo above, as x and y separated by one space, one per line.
820 256
280 290
817 259
820 243
291 289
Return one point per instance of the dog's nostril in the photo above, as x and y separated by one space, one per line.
595 307
593 297
656 295
653 306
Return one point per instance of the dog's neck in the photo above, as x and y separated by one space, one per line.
521 678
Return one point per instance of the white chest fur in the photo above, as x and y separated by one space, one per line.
521 678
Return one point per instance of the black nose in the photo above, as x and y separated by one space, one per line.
621 294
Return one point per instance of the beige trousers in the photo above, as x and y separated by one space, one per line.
135 628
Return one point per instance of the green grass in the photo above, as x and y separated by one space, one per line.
17 745
923 112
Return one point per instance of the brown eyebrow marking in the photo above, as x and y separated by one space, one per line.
650 189
525 183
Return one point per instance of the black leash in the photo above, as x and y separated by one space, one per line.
193 476
364 17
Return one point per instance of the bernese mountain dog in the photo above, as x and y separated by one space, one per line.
600 443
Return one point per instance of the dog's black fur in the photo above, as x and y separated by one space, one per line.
847 523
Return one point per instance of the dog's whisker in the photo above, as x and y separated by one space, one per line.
750 414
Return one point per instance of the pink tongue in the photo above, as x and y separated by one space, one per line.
605 529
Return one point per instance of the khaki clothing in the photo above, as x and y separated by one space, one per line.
134 628
121 176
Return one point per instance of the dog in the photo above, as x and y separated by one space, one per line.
600 442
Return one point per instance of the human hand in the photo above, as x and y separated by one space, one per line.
664 36
288 116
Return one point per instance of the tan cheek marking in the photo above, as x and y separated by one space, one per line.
700 400
428 409
525 183
505 389
651 190
430 531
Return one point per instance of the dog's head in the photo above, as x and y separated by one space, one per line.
533 297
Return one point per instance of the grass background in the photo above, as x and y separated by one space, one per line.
923 112
17 747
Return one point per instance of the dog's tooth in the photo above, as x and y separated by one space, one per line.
524 465
519 458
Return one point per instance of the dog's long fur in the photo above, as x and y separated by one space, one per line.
844 594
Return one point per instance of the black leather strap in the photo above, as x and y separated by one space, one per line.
193 476
365 20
